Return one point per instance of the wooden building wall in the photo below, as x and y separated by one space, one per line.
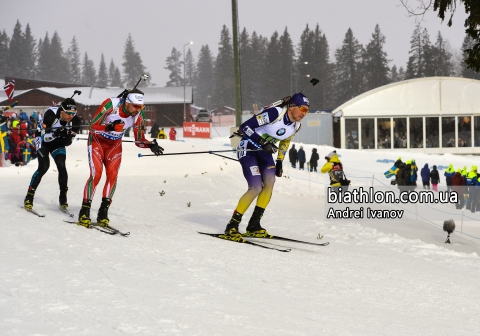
27 84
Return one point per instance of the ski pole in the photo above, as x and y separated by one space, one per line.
226 157
144 142
124 94
205 152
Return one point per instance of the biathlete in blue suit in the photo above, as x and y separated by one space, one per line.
264 130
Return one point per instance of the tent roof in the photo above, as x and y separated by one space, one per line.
421 96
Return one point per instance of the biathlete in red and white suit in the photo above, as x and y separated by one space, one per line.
105 148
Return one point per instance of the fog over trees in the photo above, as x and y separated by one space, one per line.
271 67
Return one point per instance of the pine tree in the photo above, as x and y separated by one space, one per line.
223 94
348 69
73 55
415 65
375 62
16 59
272 66
190 69
58 62
174 65
245 50
4 54
114 77
401 74
30 53
394 74
43 65
442 58
322 70
468 43
133 66
205 78
257 78
305 62
429 68
285 60
89 76
102 79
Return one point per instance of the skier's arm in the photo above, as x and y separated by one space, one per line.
282 148
139 130
76 124
102 112
326 168
48 119
249 126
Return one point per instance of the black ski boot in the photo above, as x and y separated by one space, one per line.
102 216
62 200
254 229
232 226
84 214
28 202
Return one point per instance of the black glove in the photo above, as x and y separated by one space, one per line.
279 168
111 127
267 147
60 133
155 148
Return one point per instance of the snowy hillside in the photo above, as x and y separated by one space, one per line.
166 279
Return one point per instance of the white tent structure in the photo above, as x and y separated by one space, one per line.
429 115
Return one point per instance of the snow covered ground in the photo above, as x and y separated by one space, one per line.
380 278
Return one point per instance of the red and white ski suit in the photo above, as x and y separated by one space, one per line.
105 148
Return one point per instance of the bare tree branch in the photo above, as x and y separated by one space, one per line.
422 7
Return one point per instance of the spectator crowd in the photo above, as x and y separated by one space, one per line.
17 137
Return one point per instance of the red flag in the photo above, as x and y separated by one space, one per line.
10 89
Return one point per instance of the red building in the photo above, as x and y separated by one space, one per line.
163 105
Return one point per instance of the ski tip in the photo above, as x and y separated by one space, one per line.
140 155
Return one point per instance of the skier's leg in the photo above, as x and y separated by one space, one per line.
59 155
43 165
95 161
113 160
252 174
267 169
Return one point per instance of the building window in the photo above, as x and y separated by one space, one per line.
368 133
399 132
448 132
149 108
432 128
464 131
476 132
416 132
384 138
351 133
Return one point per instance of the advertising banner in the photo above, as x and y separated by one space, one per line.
196 130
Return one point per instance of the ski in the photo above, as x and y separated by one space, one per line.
32 211
65 211
124 234
284 239
93 226
241 240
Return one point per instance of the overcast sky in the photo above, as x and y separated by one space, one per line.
158 25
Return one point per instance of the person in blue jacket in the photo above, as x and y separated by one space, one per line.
425 172
449 173
301 158
472 185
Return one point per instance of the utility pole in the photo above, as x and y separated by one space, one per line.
236 66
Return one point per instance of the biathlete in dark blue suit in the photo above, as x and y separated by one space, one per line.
270 126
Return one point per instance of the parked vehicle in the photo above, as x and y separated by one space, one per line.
203 116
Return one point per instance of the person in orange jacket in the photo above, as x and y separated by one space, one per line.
173 134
